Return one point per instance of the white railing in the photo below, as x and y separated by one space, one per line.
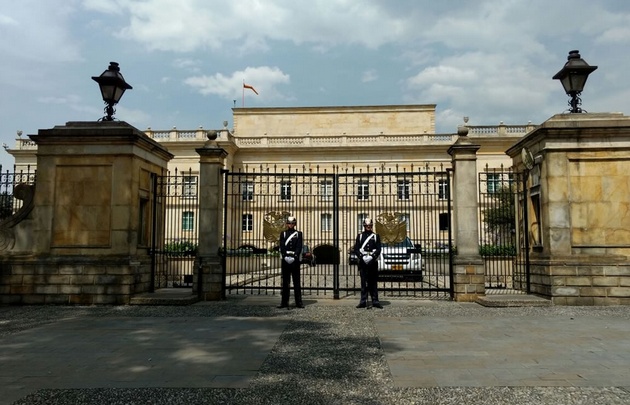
201 135
22 144
500 130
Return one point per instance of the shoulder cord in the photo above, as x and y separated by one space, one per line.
367 240
286 242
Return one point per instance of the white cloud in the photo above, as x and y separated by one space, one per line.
189 25
264 79
190 65
187 59
369 76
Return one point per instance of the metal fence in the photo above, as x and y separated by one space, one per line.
176 229
407 205
9 204
503 242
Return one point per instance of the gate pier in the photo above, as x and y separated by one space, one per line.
86 239
208 277
468 266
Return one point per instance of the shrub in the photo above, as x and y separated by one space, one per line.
180 248
497 250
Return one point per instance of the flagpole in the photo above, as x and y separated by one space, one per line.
243 88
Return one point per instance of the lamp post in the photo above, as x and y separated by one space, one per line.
113 86
573 78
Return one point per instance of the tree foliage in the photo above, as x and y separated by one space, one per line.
500 218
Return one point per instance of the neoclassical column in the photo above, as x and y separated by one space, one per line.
468 266
208 283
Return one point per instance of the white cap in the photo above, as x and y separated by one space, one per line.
368 221
291 220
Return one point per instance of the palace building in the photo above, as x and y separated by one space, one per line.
326 166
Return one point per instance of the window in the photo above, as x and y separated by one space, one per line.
248 191
326 222
326 190
189 184
188 221
360 218
443 190
285 190
248 222
444 221
493 182
363 190
404 189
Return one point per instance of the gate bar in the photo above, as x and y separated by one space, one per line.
450 234
525 231
154 181
336 237
225 173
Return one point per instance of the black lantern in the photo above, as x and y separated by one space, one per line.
573 78
113 86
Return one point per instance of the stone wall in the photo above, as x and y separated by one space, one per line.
72 280
588 283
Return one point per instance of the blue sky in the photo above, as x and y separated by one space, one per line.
490 60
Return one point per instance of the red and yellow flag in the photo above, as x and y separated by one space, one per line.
247 86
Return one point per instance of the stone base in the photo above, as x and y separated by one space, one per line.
582 281
469 280
211 278
73 280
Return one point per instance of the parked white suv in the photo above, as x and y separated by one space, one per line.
401 259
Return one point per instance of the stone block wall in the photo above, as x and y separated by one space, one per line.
468 279
582 283
72 280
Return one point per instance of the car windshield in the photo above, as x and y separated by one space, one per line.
405 243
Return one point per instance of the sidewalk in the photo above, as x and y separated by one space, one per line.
246 351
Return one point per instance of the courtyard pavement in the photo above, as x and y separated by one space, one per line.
246 351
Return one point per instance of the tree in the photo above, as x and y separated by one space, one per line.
500 218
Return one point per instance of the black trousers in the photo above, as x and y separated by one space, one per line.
369 282
291 271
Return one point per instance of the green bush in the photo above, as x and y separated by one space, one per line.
180 248
497 250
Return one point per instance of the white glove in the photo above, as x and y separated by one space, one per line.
289 259
362 251
367 259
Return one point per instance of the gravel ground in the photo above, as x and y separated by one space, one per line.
329 354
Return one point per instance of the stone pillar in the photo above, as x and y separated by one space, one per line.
87 238
469 273
208 283
579 207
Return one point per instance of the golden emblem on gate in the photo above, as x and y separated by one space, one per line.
273 224
391 226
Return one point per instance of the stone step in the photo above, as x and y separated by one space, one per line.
166 296
513 300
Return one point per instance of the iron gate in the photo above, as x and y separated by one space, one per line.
175 230
410 208
504 240
9 202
